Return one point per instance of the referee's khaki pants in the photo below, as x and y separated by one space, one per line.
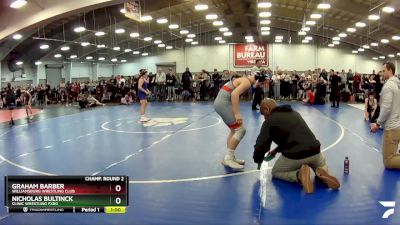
391 148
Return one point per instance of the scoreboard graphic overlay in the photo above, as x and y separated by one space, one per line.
66 194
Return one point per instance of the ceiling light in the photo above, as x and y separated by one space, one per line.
188 40
351 29
136 52
361 24
396 38
101 46
315 16
306 29
73 57
391 56
84 44
228 34
361 49
222 41
161 45
265 28
18 4
311 23
265 33
366 46
373 17
102 59
302 33
123 11
248 37
89 57
120 31
191 35
162 21
278 40
146 18
264 14
374 44
44 47
335 42
308 38
343 35
385 41
145 54
195 43
114 60
19 63
218 23
324 6
200 7
265 22
382 57
211 16
398 53
57 56
388 9
218 38
134 35
37 63
264 5
128 50
305 41
116 48
223 29
65 48
375 58
17 36
100 33
157 42
123 61
354 51
336 38
148 39
279 37
184 32
173 26
79 29
331 45
169 47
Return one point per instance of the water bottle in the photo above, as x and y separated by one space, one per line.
346 165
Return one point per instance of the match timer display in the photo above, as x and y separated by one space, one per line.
74 194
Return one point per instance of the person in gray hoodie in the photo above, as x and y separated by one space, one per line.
389 118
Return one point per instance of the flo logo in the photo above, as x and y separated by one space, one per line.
390 211
162 122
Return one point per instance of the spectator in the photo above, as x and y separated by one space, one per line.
335 92
389 117
10 100
217 82
350 77
171 80
160 80
276 78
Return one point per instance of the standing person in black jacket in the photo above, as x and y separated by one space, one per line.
10 101
217 82
299 147
335 91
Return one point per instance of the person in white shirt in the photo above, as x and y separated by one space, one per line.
160 80
389 117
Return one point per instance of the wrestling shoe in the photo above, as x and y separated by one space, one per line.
144 119
329 180
232 164
304 178
239 161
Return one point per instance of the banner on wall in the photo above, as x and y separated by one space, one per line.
132 9
245 55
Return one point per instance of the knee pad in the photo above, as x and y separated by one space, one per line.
239 133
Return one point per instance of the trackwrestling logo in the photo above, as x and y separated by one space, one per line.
389 212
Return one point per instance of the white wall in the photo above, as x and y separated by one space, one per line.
290 57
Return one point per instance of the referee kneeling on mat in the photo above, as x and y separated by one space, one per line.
298 145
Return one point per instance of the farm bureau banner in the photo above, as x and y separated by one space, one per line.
245 55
